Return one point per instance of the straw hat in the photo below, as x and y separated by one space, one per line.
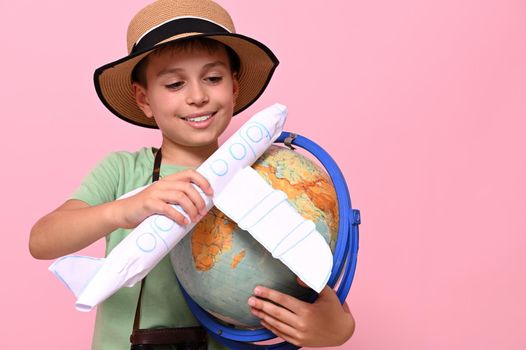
166 21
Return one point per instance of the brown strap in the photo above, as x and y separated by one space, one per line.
155 176
137 319
195 337
156 165
170 336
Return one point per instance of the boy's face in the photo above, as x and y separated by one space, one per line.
190 93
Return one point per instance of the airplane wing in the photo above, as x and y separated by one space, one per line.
268 216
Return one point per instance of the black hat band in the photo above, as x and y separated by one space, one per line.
175 27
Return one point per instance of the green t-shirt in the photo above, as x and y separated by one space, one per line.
162 302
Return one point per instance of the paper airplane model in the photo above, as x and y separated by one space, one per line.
240 193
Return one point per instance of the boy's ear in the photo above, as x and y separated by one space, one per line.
235 86
141 99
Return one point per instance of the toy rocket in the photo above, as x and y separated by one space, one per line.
240 193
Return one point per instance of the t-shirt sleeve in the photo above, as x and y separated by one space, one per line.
100 185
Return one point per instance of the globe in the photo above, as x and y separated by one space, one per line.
218 264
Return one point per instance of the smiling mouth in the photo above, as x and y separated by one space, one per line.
200 118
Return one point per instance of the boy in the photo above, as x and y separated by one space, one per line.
187 73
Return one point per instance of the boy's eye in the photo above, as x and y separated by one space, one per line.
214 79
176 85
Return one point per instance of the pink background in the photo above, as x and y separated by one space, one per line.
422 103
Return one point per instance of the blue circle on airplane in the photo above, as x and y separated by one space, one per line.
220 167
238 151
146 242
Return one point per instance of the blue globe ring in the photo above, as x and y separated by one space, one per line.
344 258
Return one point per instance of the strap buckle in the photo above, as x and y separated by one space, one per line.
289 139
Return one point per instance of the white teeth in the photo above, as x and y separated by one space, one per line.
199 119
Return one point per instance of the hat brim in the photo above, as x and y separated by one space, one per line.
113 80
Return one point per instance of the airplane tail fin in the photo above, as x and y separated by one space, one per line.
75 271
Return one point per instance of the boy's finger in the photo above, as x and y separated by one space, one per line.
191 193
175 215
276 326
196 198
286 334
266 310
287 301
181 198
190 175
203 184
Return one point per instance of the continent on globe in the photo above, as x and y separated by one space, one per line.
209 239
218 264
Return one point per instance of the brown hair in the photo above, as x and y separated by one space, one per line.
139 71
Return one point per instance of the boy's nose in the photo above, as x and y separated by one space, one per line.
197 95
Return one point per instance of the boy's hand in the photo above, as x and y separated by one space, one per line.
326 322
158 197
